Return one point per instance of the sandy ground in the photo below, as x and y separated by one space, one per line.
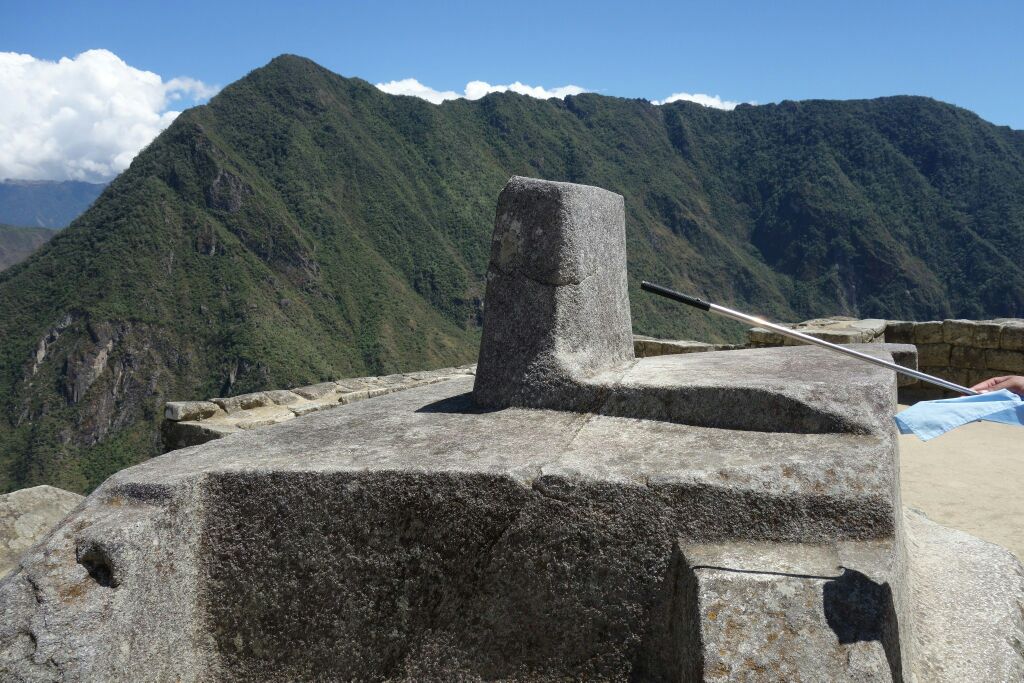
971 478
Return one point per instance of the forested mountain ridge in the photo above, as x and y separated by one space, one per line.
304 226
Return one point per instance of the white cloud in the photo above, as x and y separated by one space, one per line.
477 89
474 90
700 98
410 86
182 86
84 118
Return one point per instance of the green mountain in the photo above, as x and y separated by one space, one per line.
45 203
304 226
16 244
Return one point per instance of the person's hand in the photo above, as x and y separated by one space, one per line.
1014 383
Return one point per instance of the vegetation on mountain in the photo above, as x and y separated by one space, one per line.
16 244
304 226
45 203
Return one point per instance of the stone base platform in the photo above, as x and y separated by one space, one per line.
416 537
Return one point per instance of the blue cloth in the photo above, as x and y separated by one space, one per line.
929 419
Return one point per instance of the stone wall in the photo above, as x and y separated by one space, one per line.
190 423
961 351
836 329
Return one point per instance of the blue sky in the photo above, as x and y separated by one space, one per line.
961 52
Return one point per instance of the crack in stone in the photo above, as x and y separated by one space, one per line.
603 393
37 591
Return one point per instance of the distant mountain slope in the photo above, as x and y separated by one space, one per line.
45 203
304 226
17 244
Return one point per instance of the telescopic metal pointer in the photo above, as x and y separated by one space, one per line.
806 338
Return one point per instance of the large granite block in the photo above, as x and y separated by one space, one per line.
899 331
968 598
557 306
778 612
930 332
1012 336
414 535
958 332
936 355
1009 361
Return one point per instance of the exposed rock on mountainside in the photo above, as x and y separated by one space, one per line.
303 227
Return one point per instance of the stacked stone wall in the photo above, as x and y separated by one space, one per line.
962 351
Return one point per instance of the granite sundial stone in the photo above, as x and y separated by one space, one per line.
571 512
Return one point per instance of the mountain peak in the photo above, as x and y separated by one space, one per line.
293 64
290 80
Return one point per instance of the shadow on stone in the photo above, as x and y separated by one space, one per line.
764 410
672 649
97 562
461 404
698 406
858 609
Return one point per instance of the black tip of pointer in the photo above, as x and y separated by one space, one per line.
673 294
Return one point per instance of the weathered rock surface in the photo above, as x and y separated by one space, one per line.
787 612
413 537
26 516
412 531
969 605
794 389
557 305
190 410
